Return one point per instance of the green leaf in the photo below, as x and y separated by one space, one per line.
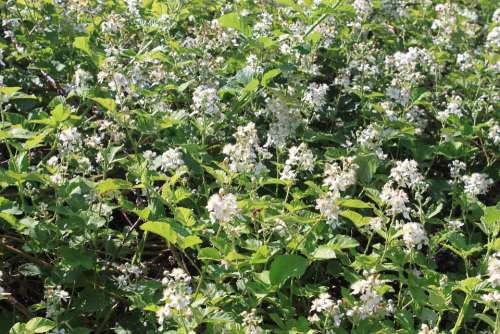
40 325
209 253
491 219
163 229
59 113
340 241
251 86
261 255
77 257
108 104
190 241
83 43
487 319
19 328
368 165
185 216
324 252
9 219
355 217
9 90
269 75
287 266
234 21
355 203
469 285
113 185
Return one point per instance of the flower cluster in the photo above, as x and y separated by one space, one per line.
246 155
177 296
222 207
414 235
326 307
371 302
476 184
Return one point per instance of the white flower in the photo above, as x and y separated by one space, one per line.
301 157
314 318
396 199
465 61
177 296
376 224
170 160
246 153
285 123
370 137
58 331
280 227
288 174
149 155
82 77
179 275
424 329
340 178
315 95
132 6
454 107
494 270
456 168
371 301
363 7
414 235
69 138
455 224
492 297
53 161
206 100
476 184
322 303
251 322
328 208
405 65
57 178
493 38
165 312
398 94
56 294
222 207
494 133
406 173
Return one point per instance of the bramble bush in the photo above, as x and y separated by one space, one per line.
249 166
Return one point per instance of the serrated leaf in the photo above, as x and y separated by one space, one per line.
234 21
287 266
270 75
162 229
59 113
355 203
113 185
9 90
340 241
108 104
190 241
209 253
185 216
83 43
324 252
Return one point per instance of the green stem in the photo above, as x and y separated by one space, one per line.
461 315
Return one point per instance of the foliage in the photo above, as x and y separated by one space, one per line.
313 166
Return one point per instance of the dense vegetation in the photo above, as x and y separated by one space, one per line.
251 166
